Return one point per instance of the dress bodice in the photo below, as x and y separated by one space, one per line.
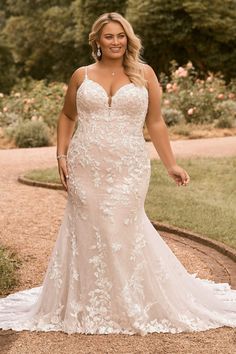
126 111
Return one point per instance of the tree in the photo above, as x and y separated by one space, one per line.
50 39
7 69
42 43
201 31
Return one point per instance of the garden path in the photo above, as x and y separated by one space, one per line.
29 221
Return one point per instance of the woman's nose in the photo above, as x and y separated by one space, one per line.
115 40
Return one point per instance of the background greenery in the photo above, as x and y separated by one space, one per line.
190 44
48 39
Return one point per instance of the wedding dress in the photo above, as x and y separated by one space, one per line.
110 271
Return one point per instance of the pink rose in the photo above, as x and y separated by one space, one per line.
190 111
181 72
209 79
221 96
169 87
175 86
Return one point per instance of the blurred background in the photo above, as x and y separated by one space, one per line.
190 44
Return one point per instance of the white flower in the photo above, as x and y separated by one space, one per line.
116 246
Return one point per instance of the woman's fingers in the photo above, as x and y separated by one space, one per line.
179 175
63 179
63 174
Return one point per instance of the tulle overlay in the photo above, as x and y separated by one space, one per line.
110 271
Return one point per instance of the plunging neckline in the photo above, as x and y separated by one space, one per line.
110 96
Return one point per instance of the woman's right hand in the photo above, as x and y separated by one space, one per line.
63 172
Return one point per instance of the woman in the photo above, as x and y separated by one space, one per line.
110 271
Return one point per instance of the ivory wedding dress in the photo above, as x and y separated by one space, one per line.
110 271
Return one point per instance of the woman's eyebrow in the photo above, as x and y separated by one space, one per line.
111 34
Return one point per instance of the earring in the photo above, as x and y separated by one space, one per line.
99 53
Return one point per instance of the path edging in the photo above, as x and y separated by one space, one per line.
30 182
217 245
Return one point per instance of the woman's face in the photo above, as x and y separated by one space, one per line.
113 40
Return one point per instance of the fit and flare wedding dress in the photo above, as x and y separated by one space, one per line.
110 271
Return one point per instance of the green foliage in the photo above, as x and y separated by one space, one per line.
50 38
8 266
7 69
172 116
32 100
201 31
32 134
226 112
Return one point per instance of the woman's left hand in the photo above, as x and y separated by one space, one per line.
179 175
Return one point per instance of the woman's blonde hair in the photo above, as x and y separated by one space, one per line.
132 59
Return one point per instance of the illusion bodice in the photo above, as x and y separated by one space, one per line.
127 109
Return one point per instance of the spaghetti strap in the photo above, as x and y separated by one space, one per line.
86 73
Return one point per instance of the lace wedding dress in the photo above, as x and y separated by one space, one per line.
110 271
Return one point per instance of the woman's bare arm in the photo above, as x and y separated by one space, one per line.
66 123
68 114
158 131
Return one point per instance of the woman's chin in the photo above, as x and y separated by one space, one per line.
113 56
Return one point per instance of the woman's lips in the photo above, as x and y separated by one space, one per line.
115 49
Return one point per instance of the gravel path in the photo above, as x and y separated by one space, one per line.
29 222
213 147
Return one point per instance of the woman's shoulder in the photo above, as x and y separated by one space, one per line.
78 74
148 71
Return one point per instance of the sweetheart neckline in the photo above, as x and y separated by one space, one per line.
102 88
104 91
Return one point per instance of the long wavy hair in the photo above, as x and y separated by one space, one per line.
132 58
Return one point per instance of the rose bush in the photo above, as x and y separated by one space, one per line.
187 100
200 101
32 101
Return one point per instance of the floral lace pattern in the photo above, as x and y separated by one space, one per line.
110 271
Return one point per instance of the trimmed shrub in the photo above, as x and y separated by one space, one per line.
32 134
172 116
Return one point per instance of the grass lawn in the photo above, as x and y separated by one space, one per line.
8 266
49 175
207 206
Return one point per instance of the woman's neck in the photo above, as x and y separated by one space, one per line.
113 64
